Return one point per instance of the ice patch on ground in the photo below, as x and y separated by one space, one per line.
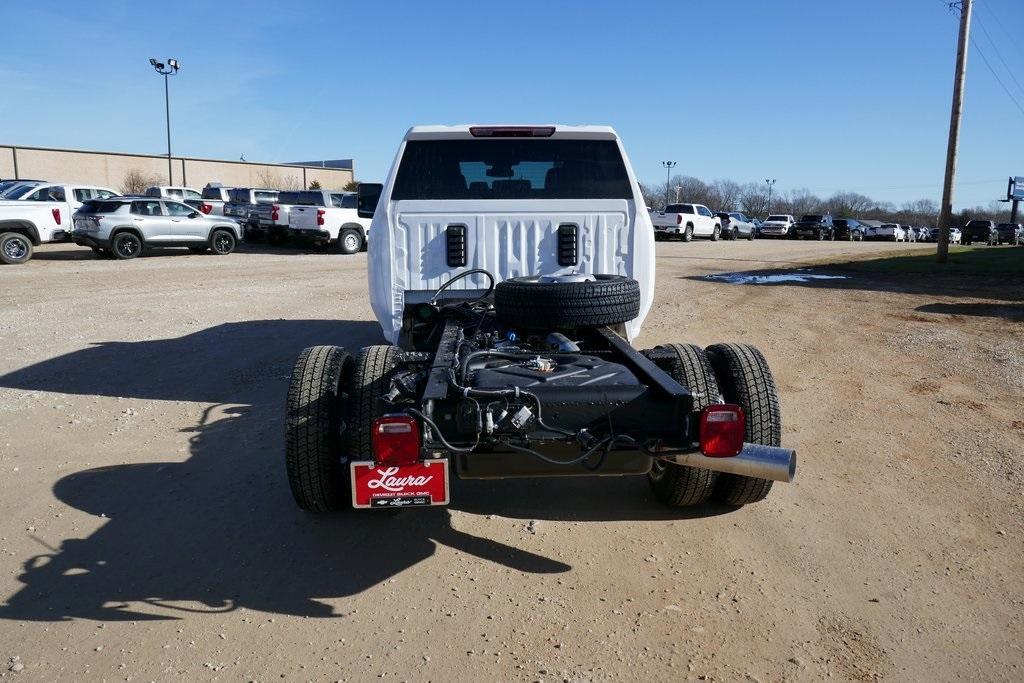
751 279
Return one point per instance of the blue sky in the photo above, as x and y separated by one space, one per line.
818 94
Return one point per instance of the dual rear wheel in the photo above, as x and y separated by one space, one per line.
732 373
332 401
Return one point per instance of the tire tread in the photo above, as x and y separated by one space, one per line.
312 426
681 485
746 380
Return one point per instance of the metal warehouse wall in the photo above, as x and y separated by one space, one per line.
108 169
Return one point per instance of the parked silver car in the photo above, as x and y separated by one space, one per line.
735 225
124 226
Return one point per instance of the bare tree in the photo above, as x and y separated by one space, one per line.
266 177
753 199
847 204
136 181
800 202
291 182
726 195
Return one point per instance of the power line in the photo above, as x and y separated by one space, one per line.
1002 28
999 54
1009 94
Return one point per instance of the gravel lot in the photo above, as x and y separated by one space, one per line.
147 531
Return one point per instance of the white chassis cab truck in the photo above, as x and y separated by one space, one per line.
510 268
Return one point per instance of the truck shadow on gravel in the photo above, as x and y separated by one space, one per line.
219 530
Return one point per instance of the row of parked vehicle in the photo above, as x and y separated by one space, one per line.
33 212
687 221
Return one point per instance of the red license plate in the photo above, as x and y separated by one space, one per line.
391 486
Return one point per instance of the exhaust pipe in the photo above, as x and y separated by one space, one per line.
755 460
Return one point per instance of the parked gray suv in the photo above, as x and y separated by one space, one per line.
124 226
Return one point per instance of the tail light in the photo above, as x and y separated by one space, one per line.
320 216
722 428
679 219
274 212
396 440
56 215
206 208
512 131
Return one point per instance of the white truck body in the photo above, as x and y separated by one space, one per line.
887 231
676 219
327 223
510 215
44 214
777 225
177 192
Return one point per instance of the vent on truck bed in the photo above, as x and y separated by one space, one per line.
568 251
455 240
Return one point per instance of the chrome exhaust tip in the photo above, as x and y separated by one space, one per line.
755 460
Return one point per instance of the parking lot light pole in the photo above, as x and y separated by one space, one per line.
166 70
771 184
669 165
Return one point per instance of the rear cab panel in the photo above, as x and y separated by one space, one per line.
509 195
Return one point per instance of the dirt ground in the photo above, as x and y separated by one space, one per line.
147 531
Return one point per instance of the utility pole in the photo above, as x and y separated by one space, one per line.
680 187
946 209
169 70
669 165
771 184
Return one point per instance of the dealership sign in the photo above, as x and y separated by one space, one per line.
1015 191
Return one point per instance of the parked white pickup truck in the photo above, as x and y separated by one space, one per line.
173 192
686 221
338 224
41 215
215 196
777 225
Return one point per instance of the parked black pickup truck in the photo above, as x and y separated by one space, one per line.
848 229
980 231
813 225
1009 233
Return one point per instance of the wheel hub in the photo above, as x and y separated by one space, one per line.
566 278
15 248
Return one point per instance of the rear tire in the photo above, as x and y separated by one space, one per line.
745 379
15 248
317 475
716 233
126 245
681 485
367 383
688 233
350 241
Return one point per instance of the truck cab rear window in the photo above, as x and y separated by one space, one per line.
301 198
512 169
